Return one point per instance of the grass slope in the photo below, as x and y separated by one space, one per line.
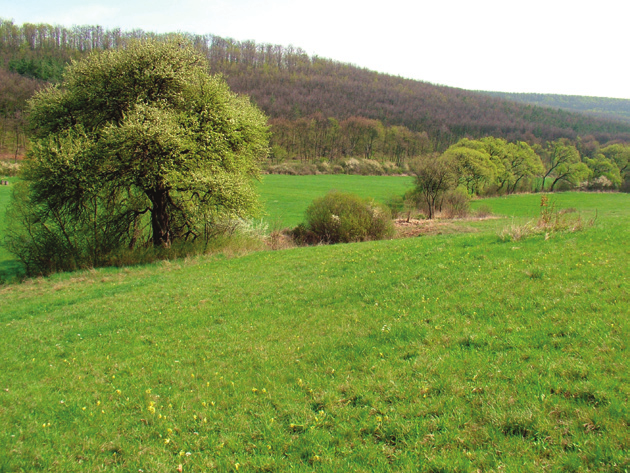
444 353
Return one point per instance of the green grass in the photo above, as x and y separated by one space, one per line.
443 353
612 205
9 267
286 197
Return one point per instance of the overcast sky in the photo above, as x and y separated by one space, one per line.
545 46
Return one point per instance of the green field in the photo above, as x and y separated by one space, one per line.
285 198
455 352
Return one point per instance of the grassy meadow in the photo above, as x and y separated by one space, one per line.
444 353
285 198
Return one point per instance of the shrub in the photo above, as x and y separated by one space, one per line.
323 167
8 169
551 220
351 166
293 168
390 167
370 167
341 218
455 203
363 167
516 232
599 183
302 235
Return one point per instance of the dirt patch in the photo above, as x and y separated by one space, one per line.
414 227
280 240
10 157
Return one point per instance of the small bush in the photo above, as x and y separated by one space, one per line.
351 166
391 168
293 169
371 167
8 169
407 206
601 183
551 220
342 218
302 235
363 167
455 203
515 232
323 167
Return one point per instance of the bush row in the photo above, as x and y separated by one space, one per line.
363 167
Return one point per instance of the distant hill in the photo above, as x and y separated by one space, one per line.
607 108
310 98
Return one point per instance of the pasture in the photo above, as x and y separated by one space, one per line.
456 352
285 198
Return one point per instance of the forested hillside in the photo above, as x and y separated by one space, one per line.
317 107
608 108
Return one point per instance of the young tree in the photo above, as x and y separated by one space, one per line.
434 176
135 131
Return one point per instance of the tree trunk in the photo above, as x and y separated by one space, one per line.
514 186
160 222
553 184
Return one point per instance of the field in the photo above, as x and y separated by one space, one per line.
286 197
456 352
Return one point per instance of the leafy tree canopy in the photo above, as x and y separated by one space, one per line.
563 163
475 165
140 131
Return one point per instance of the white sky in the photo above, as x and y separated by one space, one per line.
548 46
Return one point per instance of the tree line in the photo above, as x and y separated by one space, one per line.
490 166
317 137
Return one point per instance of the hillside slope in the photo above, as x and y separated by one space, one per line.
286 83
607 108
444 353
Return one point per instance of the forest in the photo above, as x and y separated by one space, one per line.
610 108
318 109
